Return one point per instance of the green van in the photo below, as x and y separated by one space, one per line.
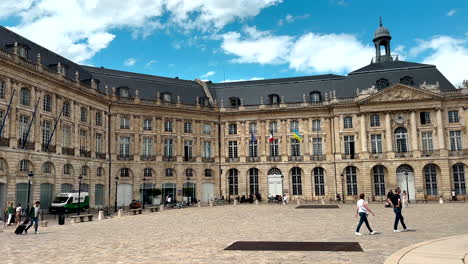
68 202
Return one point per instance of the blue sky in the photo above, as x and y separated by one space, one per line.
226 40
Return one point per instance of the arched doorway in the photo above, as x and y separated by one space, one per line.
405 180
275 182
124 194
208 192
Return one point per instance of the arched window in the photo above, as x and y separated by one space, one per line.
166 97
124 172
401 140
189 172
123 91
319 181
459 178
24 165
430 177
47 168
147 172
274 99
208 173
351 180
296 174
315 97
169 172
274 171
25 96
67 169
233 182
379 180
381 83
47 103
234 102
66 109
100 172
408 80
253 181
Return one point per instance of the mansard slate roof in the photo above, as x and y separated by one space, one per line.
292 89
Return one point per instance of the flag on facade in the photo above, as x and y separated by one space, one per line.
271 138
297 136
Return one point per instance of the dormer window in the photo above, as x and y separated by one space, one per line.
22 52
123 91
234 102
22 49
166 97
274 99
408 80
315 97
381 83
204 101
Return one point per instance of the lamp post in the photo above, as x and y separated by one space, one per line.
80 178
116 183
282 186
30 176
188 184
407 189
342 188
143 192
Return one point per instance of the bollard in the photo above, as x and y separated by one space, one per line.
298 201
256 202
211 203
161 207
323 201
199 204
120 213
100 215
235 202
1 226
441 200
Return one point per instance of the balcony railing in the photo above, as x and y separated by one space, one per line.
206 159
168 158
68 151
189 159
403 154
253 159
49 149
4 142
350 156
458 152
377 155
295 158
274 158
124 157
100 155
232 159
148 157
27 145
317 157
85 153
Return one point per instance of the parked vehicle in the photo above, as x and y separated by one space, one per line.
68 202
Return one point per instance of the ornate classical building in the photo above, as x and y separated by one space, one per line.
391 123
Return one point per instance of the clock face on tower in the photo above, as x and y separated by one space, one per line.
399 118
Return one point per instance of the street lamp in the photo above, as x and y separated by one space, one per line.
282 189
80 178
143 192
188 184
342 188
30 176
407 189
116 182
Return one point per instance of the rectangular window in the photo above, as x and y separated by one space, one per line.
453 116
83 140
66 137
147 125
427 145
46 132
206 149
147 147
99 143
47 107
295 148
425 118
168 126
379 180
349 145
376 144
455 141
188 150
168 148
66 109
274 150
232 149
348 122
187 127
83 114
317 147
124 146
252 128
232 129
206 129
253 148
316 125
294 126
23 128
273 127
374 120
2 89
98 118
124 122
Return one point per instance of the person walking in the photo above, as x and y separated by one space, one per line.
34 214
405 199
395 202
362 209
9 211
18 214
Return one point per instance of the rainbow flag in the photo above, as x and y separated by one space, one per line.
297 136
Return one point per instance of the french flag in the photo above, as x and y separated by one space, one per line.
271 138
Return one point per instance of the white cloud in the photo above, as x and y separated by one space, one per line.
130 62
149 63
451 12
208 74
243 80
309 53
290 19
449 54
78 29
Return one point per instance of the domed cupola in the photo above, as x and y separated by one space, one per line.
381 39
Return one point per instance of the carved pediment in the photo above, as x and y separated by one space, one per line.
400 92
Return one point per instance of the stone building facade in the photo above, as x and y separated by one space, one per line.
388 124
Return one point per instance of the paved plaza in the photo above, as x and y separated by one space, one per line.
199 235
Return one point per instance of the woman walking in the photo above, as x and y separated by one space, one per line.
362 210
18 214
405 199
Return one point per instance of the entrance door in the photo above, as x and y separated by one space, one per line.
46 195
405 180
207 192
3 197
124 194
275 185
22 194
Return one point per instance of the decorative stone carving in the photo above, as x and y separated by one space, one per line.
261 100
400 94
137 93
368 91
326 96
304 98
113 90
38 59
77 76
106 89
427 86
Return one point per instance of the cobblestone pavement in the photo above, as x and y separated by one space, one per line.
199 235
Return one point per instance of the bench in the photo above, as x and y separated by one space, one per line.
135 211
81 218
152 209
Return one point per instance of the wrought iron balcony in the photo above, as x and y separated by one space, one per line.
100 155
317 157
168 158
4 142
148 157
206 159
125 157
295 158
274 158
253 159
68 151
